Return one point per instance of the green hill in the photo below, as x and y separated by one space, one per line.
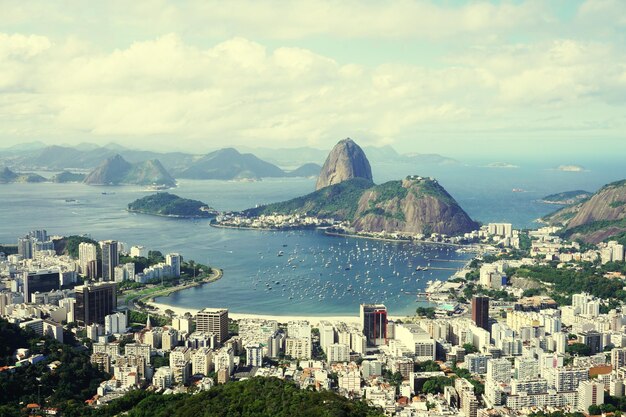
600 217
166 204
338 201
253 397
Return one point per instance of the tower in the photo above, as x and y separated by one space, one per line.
480 311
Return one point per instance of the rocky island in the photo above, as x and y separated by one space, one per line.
348 200
170 205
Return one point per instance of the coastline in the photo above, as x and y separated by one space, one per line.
148 298
313 319
171 216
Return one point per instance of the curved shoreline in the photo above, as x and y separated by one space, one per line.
149 298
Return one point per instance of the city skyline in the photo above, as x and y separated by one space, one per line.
434 77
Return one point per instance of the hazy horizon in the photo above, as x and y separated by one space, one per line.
448 77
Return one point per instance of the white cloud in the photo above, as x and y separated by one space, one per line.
159 77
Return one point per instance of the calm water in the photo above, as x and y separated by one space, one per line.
316 274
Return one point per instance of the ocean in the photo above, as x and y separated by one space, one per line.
315 274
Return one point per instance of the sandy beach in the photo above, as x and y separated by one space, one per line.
314 320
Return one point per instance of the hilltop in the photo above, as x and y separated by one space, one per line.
117 171
344 162
415 205
600 217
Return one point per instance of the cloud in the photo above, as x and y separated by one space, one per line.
201 73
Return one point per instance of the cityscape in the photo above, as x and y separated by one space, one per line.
402 208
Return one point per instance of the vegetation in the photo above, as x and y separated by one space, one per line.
436 385
564 282
567 197
67 387
428 312
339 201
470 348
67 176
70 245
252 397
578 349
8 249
426 366
592 227
166 204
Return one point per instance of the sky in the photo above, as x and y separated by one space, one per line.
451 77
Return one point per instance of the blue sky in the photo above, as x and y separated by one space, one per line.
453 77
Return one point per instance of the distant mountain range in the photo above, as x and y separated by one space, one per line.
223 164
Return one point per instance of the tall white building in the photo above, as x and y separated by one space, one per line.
590 393
115 323
499 370
327 335
174 261
202 361
87 252
254 355
338 353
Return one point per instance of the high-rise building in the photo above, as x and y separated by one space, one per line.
87 252
374 323
254 355
480 311
94 302
115 323
593 339
173 260
40 281
25 247
327 335
590 393
110 259
213 321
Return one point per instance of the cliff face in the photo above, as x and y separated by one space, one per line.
346 161
600 217
413 205
116 170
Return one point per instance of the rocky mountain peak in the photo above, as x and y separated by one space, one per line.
345 161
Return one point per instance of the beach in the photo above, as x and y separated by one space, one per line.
314 320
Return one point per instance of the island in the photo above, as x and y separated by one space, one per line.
171 205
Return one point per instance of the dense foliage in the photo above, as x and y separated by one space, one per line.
565 282
252 397
8 249
339 201
67 386
166 204
69 245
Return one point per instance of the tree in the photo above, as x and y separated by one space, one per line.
594 410
578 349
470 348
